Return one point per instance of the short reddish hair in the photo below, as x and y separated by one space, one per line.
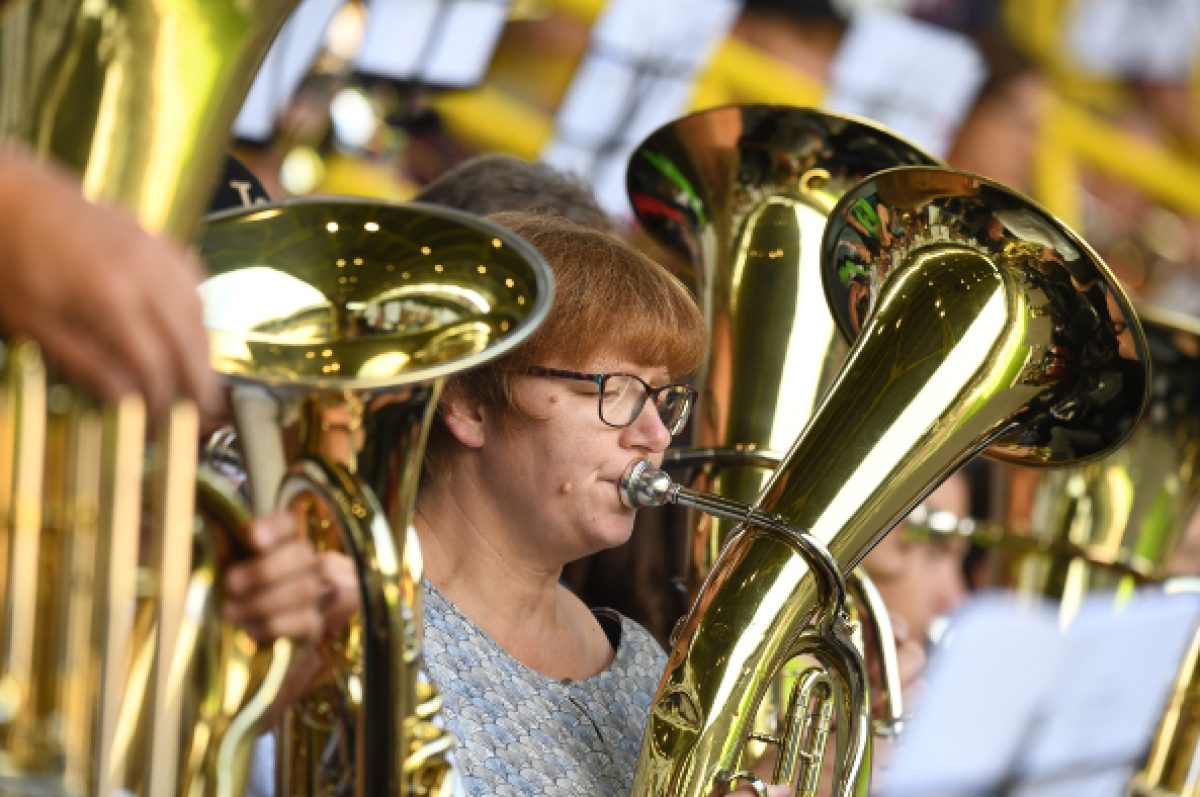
609 297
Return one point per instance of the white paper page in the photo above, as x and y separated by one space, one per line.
1012 700
1154 39
445 43
916 78
636 76
1112 685
971 724
286 64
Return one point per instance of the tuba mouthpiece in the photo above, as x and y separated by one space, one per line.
644 485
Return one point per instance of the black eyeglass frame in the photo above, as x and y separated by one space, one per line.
649 393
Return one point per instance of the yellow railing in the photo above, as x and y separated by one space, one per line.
1071 137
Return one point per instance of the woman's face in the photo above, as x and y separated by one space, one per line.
921 581
557 474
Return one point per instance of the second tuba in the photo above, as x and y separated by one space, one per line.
743 193
335 322
979 322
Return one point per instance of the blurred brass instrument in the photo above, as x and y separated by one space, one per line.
336 322
116 672
980 321
1113 524
1110 524
1171 766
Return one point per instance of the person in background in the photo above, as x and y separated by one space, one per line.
918 566
495 183
546 696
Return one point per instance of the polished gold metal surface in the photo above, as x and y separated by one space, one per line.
1172 768
1111 524
979 321
742 193
137 96
334 322
102 690
823 683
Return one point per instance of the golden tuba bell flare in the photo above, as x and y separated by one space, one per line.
106 596
979 321
335 322
743 194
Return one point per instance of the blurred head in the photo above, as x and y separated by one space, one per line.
495 183
921 580
999 137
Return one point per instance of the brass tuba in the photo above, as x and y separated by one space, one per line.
743 193
335 321
103 688
980 321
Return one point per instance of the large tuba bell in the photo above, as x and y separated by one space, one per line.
980 321
743 193
104 685
335 322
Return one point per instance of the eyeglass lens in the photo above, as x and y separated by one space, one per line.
624 396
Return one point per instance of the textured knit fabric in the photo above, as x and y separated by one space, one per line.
521 733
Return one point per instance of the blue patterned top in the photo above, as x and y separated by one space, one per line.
521 733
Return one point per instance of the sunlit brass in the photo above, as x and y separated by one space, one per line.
1172 768
335 322
819 685
103 688
1110 524
979 321
742 193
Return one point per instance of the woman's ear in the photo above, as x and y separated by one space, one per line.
465 418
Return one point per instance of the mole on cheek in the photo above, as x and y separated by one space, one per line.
554 399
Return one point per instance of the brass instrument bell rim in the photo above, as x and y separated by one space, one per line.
1119 297
830 283
538 308
740 109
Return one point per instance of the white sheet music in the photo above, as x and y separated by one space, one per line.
446 43
286 64
916 78
1153 39
1013 701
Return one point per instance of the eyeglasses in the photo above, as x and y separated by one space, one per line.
622 397
928 525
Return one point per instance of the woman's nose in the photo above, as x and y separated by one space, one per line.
648 431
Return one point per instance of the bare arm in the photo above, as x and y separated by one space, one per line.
111 305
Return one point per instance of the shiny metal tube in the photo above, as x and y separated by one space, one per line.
335 322
742 194
98 592
979 322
